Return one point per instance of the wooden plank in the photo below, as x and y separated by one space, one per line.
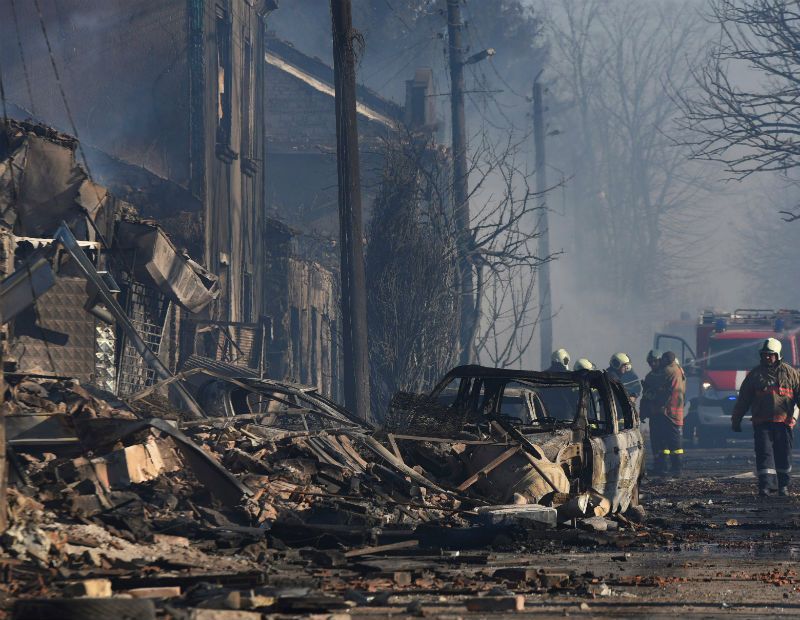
344 440
338 448
318 448
398 546
380 450
395 449
468 442
487 469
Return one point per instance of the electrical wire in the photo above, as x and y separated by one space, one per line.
22 57
71 119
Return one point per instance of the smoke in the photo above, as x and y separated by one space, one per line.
599 308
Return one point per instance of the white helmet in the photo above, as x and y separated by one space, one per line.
560 357
772 345
618 360
583 364
654 355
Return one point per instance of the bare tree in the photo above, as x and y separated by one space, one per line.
747 114
412 274
503 249
634 188
412 263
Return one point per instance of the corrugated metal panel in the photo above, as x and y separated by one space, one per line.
57 336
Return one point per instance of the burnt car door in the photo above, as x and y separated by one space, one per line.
616 443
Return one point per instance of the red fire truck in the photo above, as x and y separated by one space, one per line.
725 348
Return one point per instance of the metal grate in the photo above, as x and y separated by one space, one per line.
241 344
147 310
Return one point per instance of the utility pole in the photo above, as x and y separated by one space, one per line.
545 296
460 180
351 239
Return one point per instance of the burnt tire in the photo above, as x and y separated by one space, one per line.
84 609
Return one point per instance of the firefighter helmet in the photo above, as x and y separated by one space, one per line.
653 355
772 345
618 360
560 357
583 364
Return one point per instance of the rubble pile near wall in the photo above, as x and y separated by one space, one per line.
133 508
229 513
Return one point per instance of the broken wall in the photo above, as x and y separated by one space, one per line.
232 104
168 100
301 296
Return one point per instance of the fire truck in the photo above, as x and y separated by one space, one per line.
724 348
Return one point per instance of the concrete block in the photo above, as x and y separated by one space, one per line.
530 514
91 588
159 592
133 465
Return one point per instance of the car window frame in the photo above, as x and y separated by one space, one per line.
609 427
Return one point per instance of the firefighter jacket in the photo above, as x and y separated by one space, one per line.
650 386
770 393
665 393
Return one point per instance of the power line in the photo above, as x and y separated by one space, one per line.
71 119
397 15
22 56
404 67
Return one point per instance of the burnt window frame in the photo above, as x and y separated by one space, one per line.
626 419
224 108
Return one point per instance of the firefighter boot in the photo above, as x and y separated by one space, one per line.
660 465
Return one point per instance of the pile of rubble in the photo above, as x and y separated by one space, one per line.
214 513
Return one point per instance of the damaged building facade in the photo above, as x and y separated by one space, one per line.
301 192
84 275
225 136
172 122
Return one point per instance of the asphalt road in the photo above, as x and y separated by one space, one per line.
709 548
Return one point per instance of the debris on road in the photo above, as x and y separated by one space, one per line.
108 499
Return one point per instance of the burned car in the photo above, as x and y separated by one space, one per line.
512 436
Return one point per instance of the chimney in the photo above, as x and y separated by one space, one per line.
420 108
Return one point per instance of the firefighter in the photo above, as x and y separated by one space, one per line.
650 387
662 402
621 369
584 364
653 360
771 392
560 361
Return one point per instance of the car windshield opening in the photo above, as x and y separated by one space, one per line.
531 404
